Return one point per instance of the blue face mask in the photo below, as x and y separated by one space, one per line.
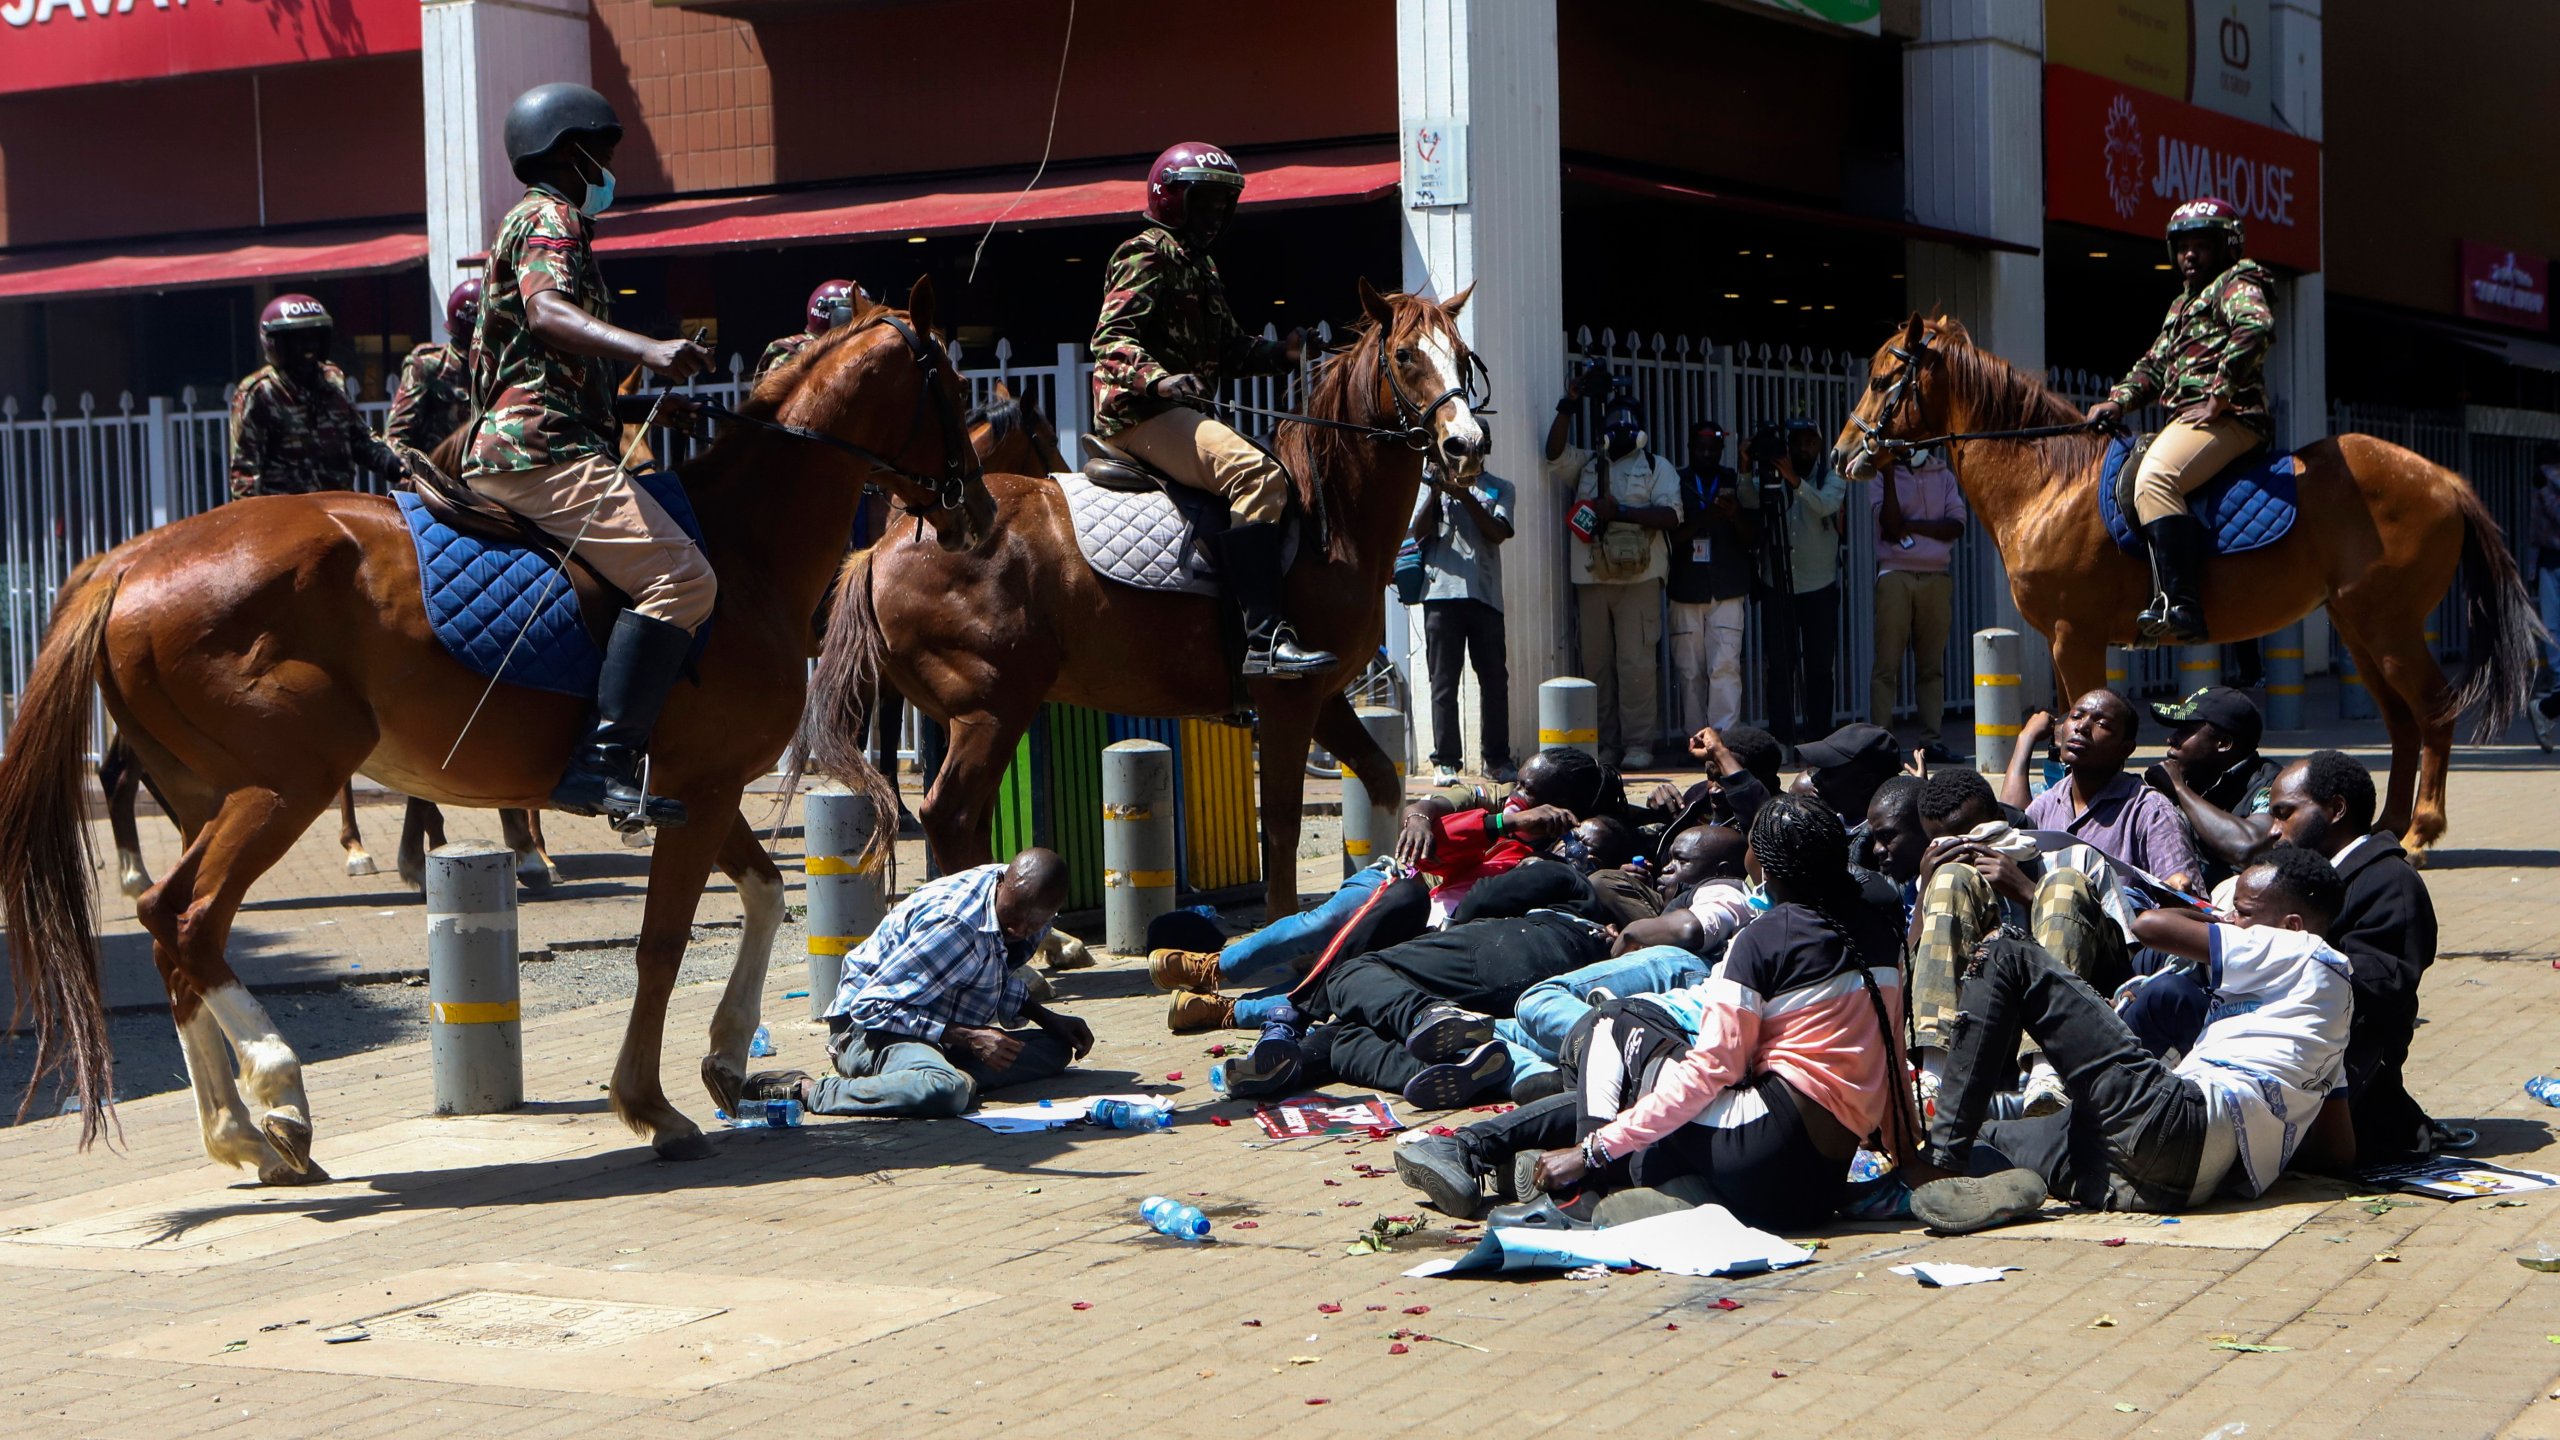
599 192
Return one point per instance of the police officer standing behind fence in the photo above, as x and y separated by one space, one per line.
293 429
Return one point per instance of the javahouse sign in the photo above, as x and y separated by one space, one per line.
2119 157
59 44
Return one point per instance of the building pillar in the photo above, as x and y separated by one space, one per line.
2298 366
1490 66
1973 160
477 56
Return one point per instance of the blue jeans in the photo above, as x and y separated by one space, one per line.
1548 1010
2547 590
1265 956
882 1074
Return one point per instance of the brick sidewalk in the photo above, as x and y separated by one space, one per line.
924 1276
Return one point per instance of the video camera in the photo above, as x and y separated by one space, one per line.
1766 446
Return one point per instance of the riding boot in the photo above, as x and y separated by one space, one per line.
641 663
1249 562
2176 612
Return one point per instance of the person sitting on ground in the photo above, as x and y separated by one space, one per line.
1958 801
2097 802
1892 839
922 1020
1742 764
2217 778
2248 1100
1844 769
1796 1058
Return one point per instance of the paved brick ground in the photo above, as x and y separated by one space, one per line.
2448 1339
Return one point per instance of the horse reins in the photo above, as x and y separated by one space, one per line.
1900 390
959 465
1415 432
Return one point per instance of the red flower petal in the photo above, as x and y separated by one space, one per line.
2112 1241
1318 1400
1399 1348
1728 1304
1082 1305
1671 1327
1333 1182
1329 1307
1174 1075
1417 1309
1248 1225
1220 1121
1256 1324
1777 1374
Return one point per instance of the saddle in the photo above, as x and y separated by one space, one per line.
474 516
1139 526
2249 506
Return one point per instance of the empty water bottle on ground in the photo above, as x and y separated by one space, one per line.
770 1115
1172 1217
762 1045
1130 1115
2545 1088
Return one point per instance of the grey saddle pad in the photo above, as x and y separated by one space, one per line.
1139 538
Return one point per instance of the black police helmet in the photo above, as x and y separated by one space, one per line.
546 115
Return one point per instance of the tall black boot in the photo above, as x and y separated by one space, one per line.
641 663
1249 563
2176 612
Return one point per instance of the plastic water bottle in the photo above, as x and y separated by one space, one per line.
762 1045
1173 1218
2545 1088
1130 1115
771 1115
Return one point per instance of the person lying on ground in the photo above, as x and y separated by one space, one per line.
2216 777
2097 802
1742 764
2250 1098
930 1009
1795 1058
1458 845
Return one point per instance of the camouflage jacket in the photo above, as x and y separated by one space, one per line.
2213 343
289 441
1165 312
785 349
535 406
434 398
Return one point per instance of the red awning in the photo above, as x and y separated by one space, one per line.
1606 178
186 264
950 207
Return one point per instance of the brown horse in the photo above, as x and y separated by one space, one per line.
257 655
2381 534
979 638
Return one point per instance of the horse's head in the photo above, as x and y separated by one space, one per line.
1013 437
1905 394
1431 376
884 385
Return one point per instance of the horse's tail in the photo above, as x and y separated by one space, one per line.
44 858
2506 636
838 717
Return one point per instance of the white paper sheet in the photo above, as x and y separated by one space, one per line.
1940 1275
1703 1241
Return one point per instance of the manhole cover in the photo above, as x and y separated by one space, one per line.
512 1321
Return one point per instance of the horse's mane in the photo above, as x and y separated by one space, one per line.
707 468
1320 456
2005 397
1004 414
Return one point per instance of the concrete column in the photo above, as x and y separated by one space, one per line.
2298 366
2282 652
1997 711
1137 841
1369 831
474 1040
845 903
477 56
1569 715
1973 160
1490 65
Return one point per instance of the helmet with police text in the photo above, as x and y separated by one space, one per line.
545 117
831 304
462 310
289 315
1190 163
2208 212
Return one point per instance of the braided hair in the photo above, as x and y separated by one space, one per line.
1804 850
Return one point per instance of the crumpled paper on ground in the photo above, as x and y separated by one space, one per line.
1940 1275
1703 1241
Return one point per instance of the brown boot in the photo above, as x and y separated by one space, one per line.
1184 970
1193 1013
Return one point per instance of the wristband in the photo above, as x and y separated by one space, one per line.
1493 826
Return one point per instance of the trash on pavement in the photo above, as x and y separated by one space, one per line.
1943 1275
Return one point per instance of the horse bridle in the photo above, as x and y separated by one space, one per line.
1906 379
959 457
1417 418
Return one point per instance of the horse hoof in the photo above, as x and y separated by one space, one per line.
414 879
536 877
728 1088
290 1134
133 883
285 1175
359 863
693 1146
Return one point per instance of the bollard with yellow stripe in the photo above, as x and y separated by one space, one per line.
1137 841
475 1042
2199 666
2282 653
1569 715
1369 831
1999 703
843 890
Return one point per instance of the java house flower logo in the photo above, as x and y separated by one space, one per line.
2124 156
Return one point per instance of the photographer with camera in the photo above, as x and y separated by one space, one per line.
1710 586
1800 577
1625 499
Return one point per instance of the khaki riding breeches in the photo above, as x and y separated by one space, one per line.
1206 455
618 528
2183 456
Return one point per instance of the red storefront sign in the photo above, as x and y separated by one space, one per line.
2506 287
57 44
2121 158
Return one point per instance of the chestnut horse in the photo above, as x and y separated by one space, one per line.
978 639
2381 534
259 654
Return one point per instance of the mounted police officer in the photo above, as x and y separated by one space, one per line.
2208 367
434 398
544 441
830 305
293 429
1165 339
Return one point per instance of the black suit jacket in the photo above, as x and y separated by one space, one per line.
2387 931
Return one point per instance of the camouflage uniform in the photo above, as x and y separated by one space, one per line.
544 443
1165 312
2212 345
785 349
434 398
288 441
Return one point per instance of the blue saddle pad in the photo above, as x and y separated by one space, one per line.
482 595
2243 510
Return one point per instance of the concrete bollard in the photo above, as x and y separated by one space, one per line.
2120 670
2354 701
845 903
2283 653
474 1032
1369 831
1999 704
2198 667
1137 841
1569 715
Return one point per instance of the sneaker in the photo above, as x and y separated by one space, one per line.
1443 776
1962 1204
1445 1032
2545 720
769 1085
1637 760
2043 1093
1544 1213
1505 773
1195 970
1538 1084
1439 1167
1462 1082
1267 1071
1194 1014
